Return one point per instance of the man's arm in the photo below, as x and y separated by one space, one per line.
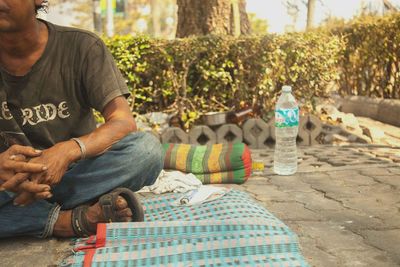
119 122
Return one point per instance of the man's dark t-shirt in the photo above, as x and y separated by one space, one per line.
54 101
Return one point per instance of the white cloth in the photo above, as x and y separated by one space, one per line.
204 193
173 181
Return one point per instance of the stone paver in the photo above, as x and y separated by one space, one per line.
346 247
356 206
256 132
385 240
202 135
343 203
174 135
229 133
391 180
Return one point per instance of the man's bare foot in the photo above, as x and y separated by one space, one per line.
94 215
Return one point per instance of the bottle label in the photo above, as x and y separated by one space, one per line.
286 117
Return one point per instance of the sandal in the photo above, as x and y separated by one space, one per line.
107 203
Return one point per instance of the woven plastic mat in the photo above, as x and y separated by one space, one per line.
231 231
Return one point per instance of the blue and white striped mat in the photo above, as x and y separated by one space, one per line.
231 231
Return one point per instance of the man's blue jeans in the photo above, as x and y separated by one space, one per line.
134 162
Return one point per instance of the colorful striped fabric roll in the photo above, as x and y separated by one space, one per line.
211 164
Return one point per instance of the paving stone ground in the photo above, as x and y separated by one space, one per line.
344 204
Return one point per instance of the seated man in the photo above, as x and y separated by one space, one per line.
55 163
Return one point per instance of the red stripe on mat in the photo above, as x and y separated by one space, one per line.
101 235
90 239
228 164
83 248
89 244
87 261
246 157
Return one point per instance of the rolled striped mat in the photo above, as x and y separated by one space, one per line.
211 164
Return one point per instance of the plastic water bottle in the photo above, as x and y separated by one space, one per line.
286 129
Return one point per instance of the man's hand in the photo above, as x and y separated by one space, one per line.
57 159
14 159
15 172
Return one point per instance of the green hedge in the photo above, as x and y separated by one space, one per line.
214 73
370 63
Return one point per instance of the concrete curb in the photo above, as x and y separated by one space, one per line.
384 110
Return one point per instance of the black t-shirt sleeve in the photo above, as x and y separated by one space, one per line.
101 78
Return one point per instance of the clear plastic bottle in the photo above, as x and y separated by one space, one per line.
286 130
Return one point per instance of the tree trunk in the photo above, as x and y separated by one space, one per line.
245 27
235 18
211 17
389 6
310 14
97 22
155 6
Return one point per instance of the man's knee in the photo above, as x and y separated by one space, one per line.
144 157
